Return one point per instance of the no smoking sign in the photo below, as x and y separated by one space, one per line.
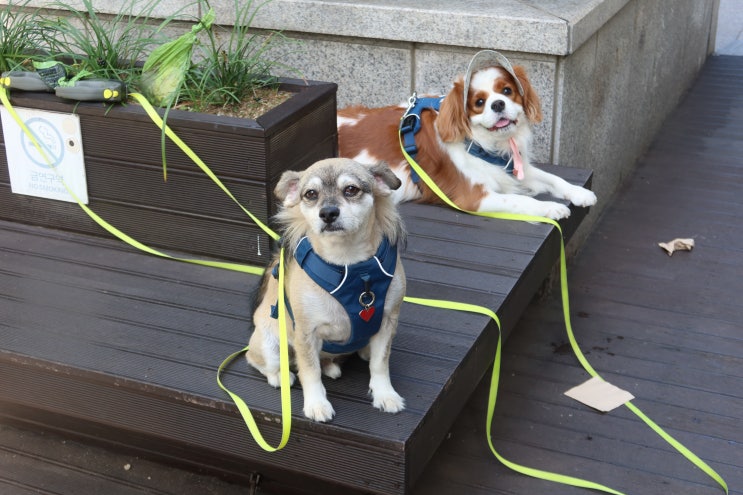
56 173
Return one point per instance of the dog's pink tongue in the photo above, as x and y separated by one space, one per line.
502 123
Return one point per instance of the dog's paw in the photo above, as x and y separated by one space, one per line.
331 370
389 401
319 410
272 373
581 197
553 210
274 379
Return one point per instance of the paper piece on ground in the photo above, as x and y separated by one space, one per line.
677 245
598 394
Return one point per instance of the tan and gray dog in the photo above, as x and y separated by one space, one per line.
340 232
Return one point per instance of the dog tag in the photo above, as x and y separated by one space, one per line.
366 299
367 313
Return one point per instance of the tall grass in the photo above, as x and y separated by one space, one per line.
233 61
104 46
19 36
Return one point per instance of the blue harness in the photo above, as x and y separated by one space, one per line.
360 288
410 124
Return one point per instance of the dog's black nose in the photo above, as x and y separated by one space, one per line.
329 213
498 105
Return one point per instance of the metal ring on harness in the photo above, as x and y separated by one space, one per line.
362 298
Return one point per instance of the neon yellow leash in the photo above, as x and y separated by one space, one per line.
693 458
285 386
283 346
493 394
253 270
195 158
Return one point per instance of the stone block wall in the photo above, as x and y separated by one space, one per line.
608 71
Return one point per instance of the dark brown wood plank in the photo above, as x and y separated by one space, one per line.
668 329
65 466
124 171
103 337
665 328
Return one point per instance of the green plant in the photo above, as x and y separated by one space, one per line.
103 46
19 36
234 62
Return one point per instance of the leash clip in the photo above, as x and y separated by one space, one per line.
411 103
408 121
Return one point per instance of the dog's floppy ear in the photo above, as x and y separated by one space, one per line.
287 189
452 122
385 179
532 106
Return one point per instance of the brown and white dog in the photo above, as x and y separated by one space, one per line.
488 112
344 280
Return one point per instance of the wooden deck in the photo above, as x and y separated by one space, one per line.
666 328
118 346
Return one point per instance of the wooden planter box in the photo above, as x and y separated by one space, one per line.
124 174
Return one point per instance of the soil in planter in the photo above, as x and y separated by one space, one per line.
263 100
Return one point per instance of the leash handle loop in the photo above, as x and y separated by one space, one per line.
284 380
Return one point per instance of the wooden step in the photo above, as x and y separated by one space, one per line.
117 346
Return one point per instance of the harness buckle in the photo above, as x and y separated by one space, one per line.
408 123
411 149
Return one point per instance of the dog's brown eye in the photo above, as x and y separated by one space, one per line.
480 102
310 195
507 91
351 191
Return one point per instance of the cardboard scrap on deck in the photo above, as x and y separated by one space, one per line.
677 245
598 394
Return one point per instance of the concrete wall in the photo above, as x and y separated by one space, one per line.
605 89
619 86
608 71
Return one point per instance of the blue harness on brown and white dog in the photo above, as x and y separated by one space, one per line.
410 124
